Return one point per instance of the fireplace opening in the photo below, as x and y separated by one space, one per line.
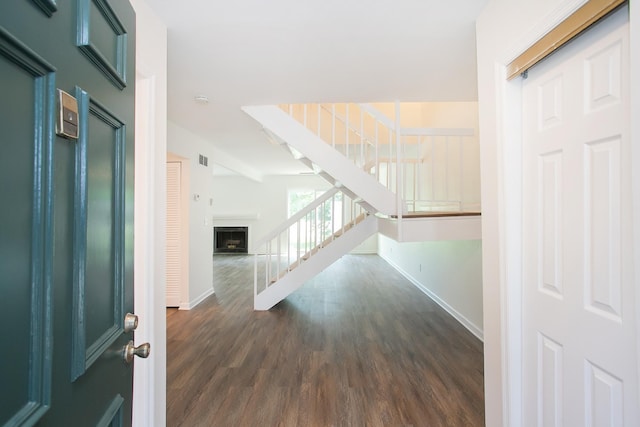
230 240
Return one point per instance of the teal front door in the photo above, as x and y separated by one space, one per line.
66 212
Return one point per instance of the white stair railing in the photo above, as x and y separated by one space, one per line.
434 173
302 235
439 170
356 131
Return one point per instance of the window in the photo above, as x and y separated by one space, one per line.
319 223
300 198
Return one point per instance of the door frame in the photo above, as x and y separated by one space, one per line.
509 150
149 391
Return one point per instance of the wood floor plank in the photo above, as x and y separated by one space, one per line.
356 346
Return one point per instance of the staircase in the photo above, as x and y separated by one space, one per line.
378 171
307 243
328 162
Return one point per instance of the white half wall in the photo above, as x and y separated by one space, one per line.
149 391
449 272
185 144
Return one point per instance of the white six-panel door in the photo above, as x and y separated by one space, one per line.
579 336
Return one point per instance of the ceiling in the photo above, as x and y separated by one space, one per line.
251 52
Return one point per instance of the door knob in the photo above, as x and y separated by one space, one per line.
131 350
130 322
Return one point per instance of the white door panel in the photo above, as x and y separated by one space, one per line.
579 336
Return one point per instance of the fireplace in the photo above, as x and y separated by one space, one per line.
230 240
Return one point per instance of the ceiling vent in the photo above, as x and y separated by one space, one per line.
203 160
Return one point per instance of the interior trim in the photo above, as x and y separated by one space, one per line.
574 24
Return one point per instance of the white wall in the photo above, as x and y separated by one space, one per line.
369 246
503 30
262 206
149 393
188 145
450 272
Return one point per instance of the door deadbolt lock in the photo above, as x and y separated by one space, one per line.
130 322
131 350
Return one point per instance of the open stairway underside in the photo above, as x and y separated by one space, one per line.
328 162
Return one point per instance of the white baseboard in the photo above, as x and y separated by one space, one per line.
192 304
471 327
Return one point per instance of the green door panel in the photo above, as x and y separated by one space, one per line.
47 6
66 239
102 37
99 207
26 239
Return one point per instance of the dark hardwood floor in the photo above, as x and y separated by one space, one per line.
357 346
